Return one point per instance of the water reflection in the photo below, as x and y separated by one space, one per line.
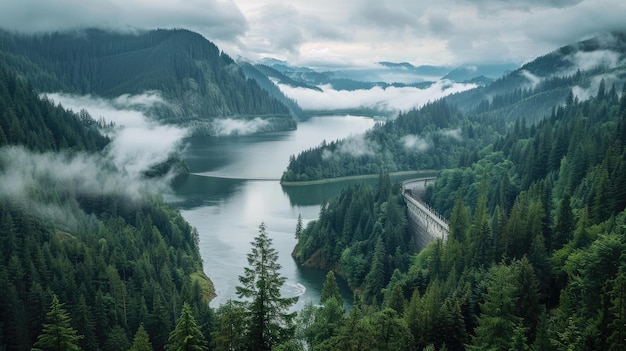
225 201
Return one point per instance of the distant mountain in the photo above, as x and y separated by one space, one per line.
470 72
447 128
263 75
197 80
531 91
422 70
387 75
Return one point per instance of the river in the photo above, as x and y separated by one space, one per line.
233 187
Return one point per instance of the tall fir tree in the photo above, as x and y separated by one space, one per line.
141 341
268 322
330 289
187 335
58 334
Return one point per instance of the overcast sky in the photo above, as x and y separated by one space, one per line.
338 33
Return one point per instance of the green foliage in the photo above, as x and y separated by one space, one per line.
116 262
433 137
187 335
267 322
229 336
359 234
141 341
58 334
537 224
330 289
39 124
183 66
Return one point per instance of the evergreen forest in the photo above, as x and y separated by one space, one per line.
92 259
196 79
535 255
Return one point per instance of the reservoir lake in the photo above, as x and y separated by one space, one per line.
233 187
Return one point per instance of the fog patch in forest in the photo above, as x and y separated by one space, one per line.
353 146
390 99
230 126
586 61
586 92
138 142
41 182
533 80
455 134
413 142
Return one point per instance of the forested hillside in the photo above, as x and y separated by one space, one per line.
197 80
81 242
435 136
535 256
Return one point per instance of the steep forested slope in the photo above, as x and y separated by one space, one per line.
535 255
75 227
192 74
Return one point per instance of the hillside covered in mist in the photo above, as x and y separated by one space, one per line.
197 81
534 259
440 135
79 227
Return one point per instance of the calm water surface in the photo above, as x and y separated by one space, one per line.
233 187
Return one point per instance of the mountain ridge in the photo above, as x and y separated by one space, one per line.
197 80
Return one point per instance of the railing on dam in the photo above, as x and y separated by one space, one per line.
425 224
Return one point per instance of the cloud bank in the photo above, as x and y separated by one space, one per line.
38 182
385 99
330 33
28 179
217 19
137 142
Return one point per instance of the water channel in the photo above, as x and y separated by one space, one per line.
233 187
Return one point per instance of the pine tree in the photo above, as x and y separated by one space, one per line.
229 335
58 334
268 323
187 335
497 322
564 226
375 278
141 341
330 289
299 227
117 340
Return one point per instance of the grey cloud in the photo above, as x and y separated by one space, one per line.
440 24
452 133
589 60
493 6
533 80
479 48
386 15
565 26
584 93
213 18
280 25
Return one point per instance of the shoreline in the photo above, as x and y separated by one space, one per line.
355 177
